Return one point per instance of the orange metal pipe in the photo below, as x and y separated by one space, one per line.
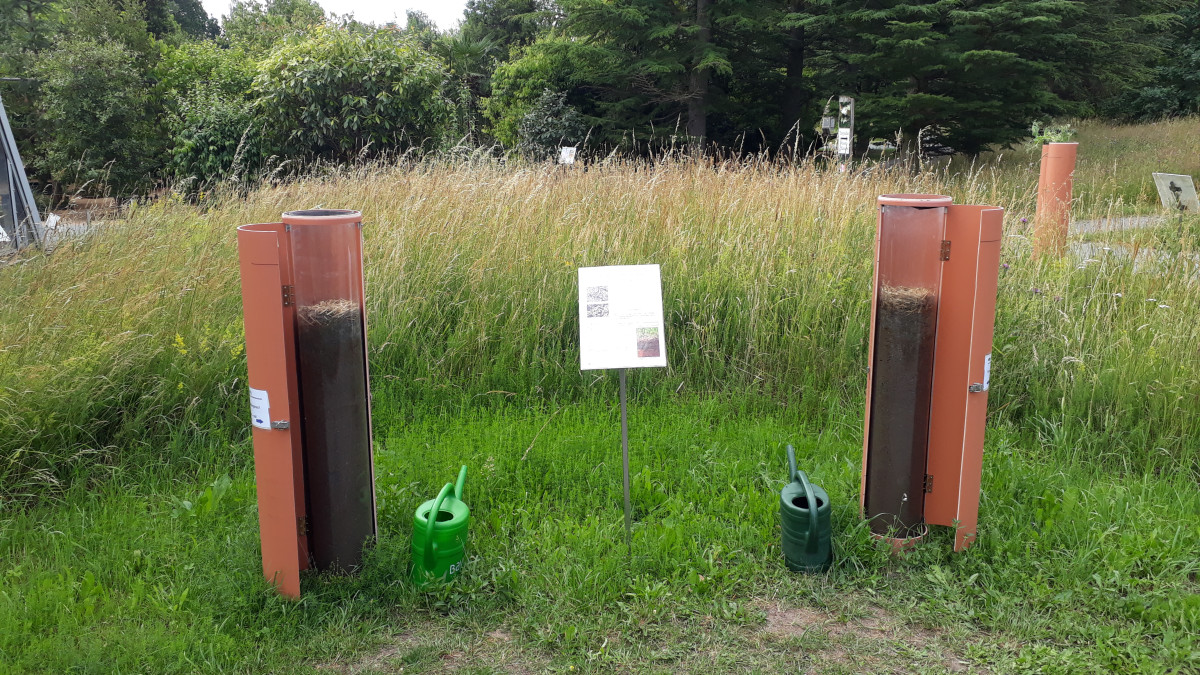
962 369
274 278
270 364
1055 184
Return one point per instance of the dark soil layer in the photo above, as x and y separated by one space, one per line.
337 450
902 376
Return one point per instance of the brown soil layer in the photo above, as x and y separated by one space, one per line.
337 451
902 377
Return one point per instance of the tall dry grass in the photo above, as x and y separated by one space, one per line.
125 347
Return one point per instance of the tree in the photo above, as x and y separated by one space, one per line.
1174 89
508 24
556 63
550 124
97 109
339 93
193 20
256 26
661 53
957 74
1107 49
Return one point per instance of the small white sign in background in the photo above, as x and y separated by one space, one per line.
621 317
843 142
1185 188
566 155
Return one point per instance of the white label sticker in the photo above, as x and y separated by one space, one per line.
987 372
260 408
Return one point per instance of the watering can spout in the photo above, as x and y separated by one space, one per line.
458 485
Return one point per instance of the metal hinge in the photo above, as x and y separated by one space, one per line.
928 483
287 228
287 295
302 526
281 424
945 249
975 388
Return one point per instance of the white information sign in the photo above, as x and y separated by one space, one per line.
260 408
566 155
843 143
621 317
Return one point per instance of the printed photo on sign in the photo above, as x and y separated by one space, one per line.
647 343
597 311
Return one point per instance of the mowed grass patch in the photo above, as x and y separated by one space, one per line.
1076 569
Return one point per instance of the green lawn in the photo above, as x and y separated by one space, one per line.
156 569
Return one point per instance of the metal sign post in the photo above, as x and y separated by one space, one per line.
625 463
621 327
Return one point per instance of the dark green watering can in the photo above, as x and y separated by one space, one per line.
439 541
804 513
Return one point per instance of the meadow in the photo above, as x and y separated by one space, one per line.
128 531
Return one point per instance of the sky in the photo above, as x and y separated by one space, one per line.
445 13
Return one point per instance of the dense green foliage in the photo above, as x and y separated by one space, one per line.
340 93
941 76
99 125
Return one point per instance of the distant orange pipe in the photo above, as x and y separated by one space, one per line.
1054 198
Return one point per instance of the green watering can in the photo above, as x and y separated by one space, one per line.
439 543
804 512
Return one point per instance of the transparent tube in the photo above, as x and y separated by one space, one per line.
326 251
906 309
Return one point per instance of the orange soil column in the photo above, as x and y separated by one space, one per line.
1054 198
904 312
331 361
270 361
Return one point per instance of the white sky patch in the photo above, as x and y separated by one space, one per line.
445 13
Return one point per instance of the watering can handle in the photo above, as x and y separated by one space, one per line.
458 485
430 546
811 544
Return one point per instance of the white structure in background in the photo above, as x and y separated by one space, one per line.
845 132
20 223
566 155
